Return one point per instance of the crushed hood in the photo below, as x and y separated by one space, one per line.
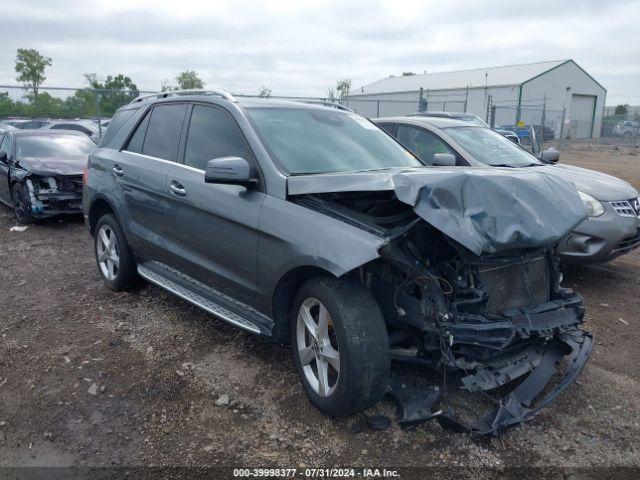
485 209
54 165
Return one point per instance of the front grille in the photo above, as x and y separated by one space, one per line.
70 183
624 208
519 285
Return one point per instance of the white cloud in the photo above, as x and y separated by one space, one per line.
302 47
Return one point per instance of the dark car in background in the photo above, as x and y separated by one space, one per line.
309 224
41 172
612 227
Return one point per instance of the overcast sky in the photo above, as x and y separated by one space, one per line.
302 47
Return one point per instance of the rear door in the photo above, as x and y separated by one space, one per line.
140 171
211 229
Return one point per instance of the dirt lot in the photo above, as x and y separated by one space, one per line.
93 377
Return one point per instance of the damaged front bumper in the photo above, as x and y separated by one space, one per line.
545 338
50 196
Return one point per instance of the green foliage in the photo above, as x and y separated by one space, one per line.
189 80
30 66
264 92
340 91
621 110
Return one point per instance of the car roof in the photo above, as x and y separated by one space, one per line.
439 122
44 133
244 101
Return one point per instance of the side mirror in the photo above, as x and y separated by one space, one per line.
444 159
3 156
230 171
550 155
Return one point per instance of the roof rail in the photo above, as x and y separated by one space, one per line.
177 93
327 103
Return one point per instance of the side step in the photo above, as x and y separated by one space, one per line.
197 299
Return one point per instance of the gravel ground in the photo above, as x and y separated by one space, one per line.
97 378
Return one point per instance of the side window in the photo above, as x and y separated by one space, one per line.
390 128
6 146
163 132
423 144
136 141
213 134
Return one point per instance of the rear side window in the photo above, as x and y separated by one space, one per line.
137 140
213 134
163 132
115 124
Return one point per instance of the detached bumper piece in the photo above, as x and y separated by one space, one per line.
419 405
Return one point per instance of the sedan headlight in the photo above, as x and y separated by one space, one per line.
594 207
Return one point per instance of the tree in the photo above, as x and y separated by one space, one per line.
331 94
189 80
264 92
102 98
343 87
30 66
621 110
165 86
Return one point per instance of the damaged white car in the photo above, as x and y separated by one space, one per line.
41 172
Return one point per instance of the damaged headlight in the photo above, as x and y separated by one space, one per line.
594 207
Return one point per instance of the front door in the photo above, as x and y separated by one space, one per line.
211 229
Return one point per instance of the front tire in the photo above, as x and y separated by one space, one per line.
113 254
21 204
340 346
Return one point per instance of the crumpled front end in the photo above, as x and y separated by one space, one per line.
484 304
53 195
497 320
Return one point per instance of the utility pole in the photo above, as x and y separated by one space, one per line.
466 99
564 114
544 114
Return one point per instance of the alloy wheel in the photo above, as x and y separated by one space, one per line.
107 252
318 347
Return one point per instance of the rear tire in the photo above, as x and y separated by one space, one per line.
352 336
113 255
21 204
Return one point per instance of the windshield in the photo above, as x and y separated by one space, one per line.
315 140
491 148
472 119
53 146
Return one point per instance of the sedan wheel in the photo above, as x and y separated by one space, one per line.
318 347
108 252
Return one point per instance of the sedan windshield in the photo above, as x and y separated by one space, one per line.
314 140
53 146
491 148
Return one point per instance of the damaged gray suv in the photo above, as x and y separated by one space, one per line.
309 224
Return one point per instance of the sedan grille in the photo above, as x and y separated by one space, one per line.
625 208
70 183
513 286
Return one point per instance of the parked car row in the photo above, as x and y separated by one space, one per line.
88 127
418 239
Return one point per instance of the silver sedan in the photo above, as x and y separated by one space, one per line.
612 227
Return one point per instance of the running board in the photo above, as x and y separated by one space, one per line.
197 299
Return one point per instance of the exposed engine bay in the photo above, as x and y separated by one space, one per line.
499 318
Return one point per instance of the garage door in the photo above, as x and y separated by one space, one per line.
582 107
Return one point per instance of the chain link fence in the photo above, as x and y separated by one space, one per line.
25 109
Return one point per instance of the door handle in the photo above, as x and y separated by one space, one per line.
177 189
117 171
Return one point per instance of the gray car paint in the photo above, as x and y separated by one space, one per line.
485 209
602 234
251 239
